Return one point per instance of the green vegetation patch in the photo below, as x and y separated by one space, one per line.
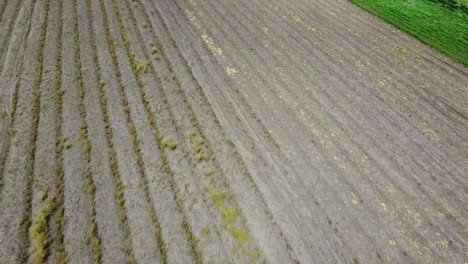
197 143
39 230
229 215
433 22
454 5
142 66
167 142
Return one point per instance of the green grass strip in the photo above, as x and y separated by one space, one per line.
432 23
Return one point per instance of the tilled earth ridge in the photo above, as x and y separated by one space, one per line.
257 131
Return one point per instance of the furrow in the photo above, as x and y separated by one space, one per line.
200 150
242 172
400 56
366 21
2 9
15 173
120 179
6 33
408 115
76 200
143 223
36 108
164 189
10 83
443 205
200 154
113 246
43 200
402 93
423 122
16 220
299 245
7 125
92 240
243 20
129 110
57 227
207 131
119 187
163 142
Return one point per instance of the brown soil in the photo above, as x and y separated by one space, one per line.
241 131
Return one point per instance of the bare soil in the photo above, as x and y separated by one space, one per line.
247 131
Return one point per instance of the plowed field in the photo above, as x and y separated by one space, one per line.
217 131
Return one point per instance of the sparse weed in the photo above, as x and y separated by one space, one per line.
167 142
60 91
200 155
38 230
142 66
43 194
254 254
401 49
240 235
196 145
86 146
94 240
192 241
62 142
208 172
228 213
125 39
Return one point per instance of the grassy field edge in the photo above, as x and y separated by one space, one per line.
433 24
